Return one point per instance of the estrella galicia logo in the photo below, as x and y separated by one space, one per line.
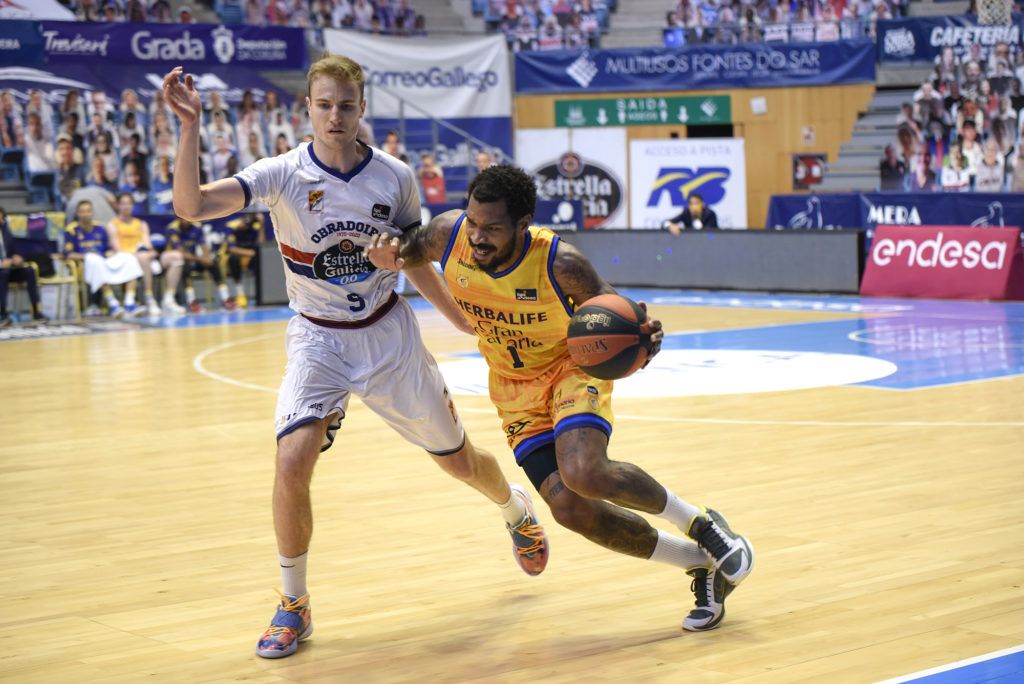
342 263
573 177
381 212
223 44
679 182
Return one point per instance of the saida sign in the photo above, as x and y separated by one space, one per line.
644 111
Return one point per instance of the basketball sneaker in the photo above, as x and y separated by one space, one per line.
732 553
709 589
230 304
529 542
291 624
242 301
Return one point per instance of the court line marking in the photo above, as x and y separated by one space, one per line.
197 362
953 666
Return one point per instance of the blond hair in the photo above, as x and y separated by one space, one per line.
340 69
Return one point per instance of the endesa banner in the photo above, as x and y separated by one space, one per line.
949 262
190 45
867 210
706 66
922 39
664 173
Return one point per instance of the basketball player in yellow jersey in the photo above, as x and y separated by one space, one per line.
518 285
131 234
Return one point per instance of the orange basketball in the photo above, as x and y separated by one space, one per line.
605 337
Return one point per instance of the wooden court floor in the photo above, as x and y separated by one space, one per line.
137 543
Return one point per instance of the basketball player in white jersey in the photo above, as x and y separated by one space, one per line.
353 334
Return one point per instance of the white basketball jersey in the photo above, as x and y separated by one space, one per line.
324 218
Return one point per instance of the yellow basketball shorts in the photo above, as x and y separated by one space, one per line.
534 412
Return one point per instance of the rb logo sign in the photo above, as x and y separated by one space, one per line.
678 183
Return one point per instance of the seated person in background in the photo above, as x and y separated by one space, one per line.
956 178
971 147
130 235
891 170
14 269
189 240
39 153
990 170
222 152
432 180
1017 183
135 186
98 176
135 153
242 247
281 145
70 174
922 178
696 216
89 243
102 149
161 189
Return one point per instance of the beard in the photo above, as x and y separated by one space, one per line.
495 258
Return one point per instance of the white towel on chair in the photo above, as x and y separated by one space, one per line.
115 270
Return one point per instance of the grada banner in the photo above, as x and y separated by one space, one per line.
663 173
586 165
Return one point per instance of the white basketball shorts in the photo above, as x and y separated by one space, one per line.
384 364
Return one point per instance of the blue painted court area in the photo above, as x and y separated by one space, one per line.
1002 667
930 342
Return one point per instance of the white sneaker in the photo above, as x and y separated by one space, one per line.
172 308
709 591
92 310
732 553
152 308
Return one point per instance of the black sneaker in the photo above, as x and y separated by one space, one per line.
732 553
709 590
5 321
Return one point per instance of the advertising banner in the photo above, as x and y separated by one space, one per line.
704 66
145 80
21 43
35 9
644 111
952 262
866 210
446 77
663 174
190 45
587 165
922 39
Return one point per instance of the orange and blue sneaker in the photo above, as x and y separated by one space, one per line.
529 542
291 624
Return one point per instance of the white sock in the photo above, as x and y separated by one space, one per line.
129 300
190 295
112 302
513 510
239 290
678 512
679 552
222 292
168 297
293 574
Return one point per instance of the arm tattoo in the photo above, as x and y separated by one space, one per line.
424 244
576 276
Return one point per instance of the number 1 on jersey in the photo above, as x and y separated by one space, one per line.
516 361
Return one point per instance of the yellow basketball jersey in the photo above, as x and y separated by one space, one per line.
519 314
129 234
